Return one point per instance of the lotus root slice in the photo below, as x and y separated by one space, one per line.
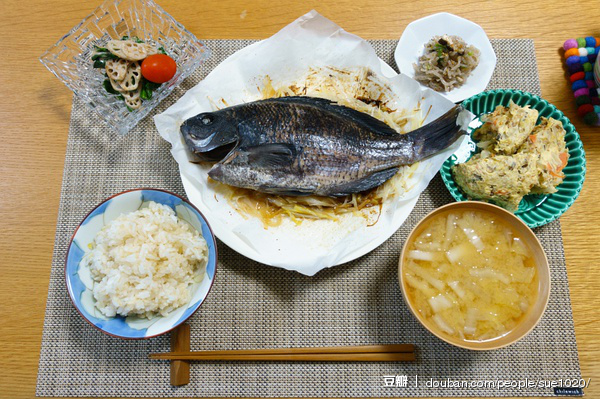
115 47
134 51
150 49
132 78
116 85
117 69
132 98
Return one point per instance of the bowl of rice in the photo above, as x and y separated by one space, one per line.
140 263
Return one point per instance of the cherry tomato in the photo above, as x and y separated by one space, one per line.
158 68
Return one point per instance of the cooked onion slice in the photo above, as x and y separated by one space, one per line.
425 275
455 285
471 321
457 253
441 323
439 303
421 255
489 273
419 285
471 235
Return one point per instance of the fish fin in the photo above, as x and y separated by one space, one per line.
269 155
436 136
362 118
366 183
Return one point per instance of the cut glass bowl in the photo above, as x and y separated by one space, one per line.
70 58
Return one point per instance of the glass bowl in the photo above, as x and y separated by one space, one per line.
70 58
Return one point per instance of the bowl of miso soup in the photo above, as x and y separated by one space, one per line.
475 275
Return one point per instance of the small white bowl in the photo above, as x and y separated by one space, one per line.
418 33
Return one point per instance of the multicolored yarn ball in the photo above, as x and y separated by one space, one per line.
580 55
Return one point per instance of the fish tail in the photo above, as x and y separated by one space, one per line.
436 136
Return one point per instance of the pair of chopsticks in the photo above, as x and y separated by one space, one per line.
369 353
181 356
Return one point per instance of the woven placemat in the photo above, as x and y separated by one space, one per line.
256 306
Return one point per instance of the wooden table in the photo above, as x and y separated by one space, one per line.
34 122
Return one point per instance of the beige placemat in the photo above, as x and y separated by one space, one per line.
256 306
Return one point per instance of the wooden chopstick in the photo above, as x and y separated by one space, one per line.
180 369
298 357
370 353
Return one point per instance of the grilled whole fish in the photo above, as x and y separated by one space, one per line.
305 146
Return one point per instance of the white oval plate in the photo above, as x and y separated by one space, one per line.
418 33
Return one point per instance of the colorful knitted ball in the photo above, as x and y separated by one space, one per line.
591 118
584 109
577 76
590 42
580 84
580 55
572 52
571 43
575 68
582 100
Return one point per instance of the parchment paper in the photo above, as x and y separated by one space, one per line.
310 41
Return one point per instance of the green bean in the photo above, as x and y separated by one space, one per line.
147 89
145 94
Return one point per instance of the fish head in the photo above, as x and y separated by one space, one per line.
210 135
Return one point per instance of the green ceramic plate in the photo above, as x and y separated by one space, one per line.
535 210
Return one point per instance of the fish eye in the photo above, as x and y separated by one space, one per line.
207 119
